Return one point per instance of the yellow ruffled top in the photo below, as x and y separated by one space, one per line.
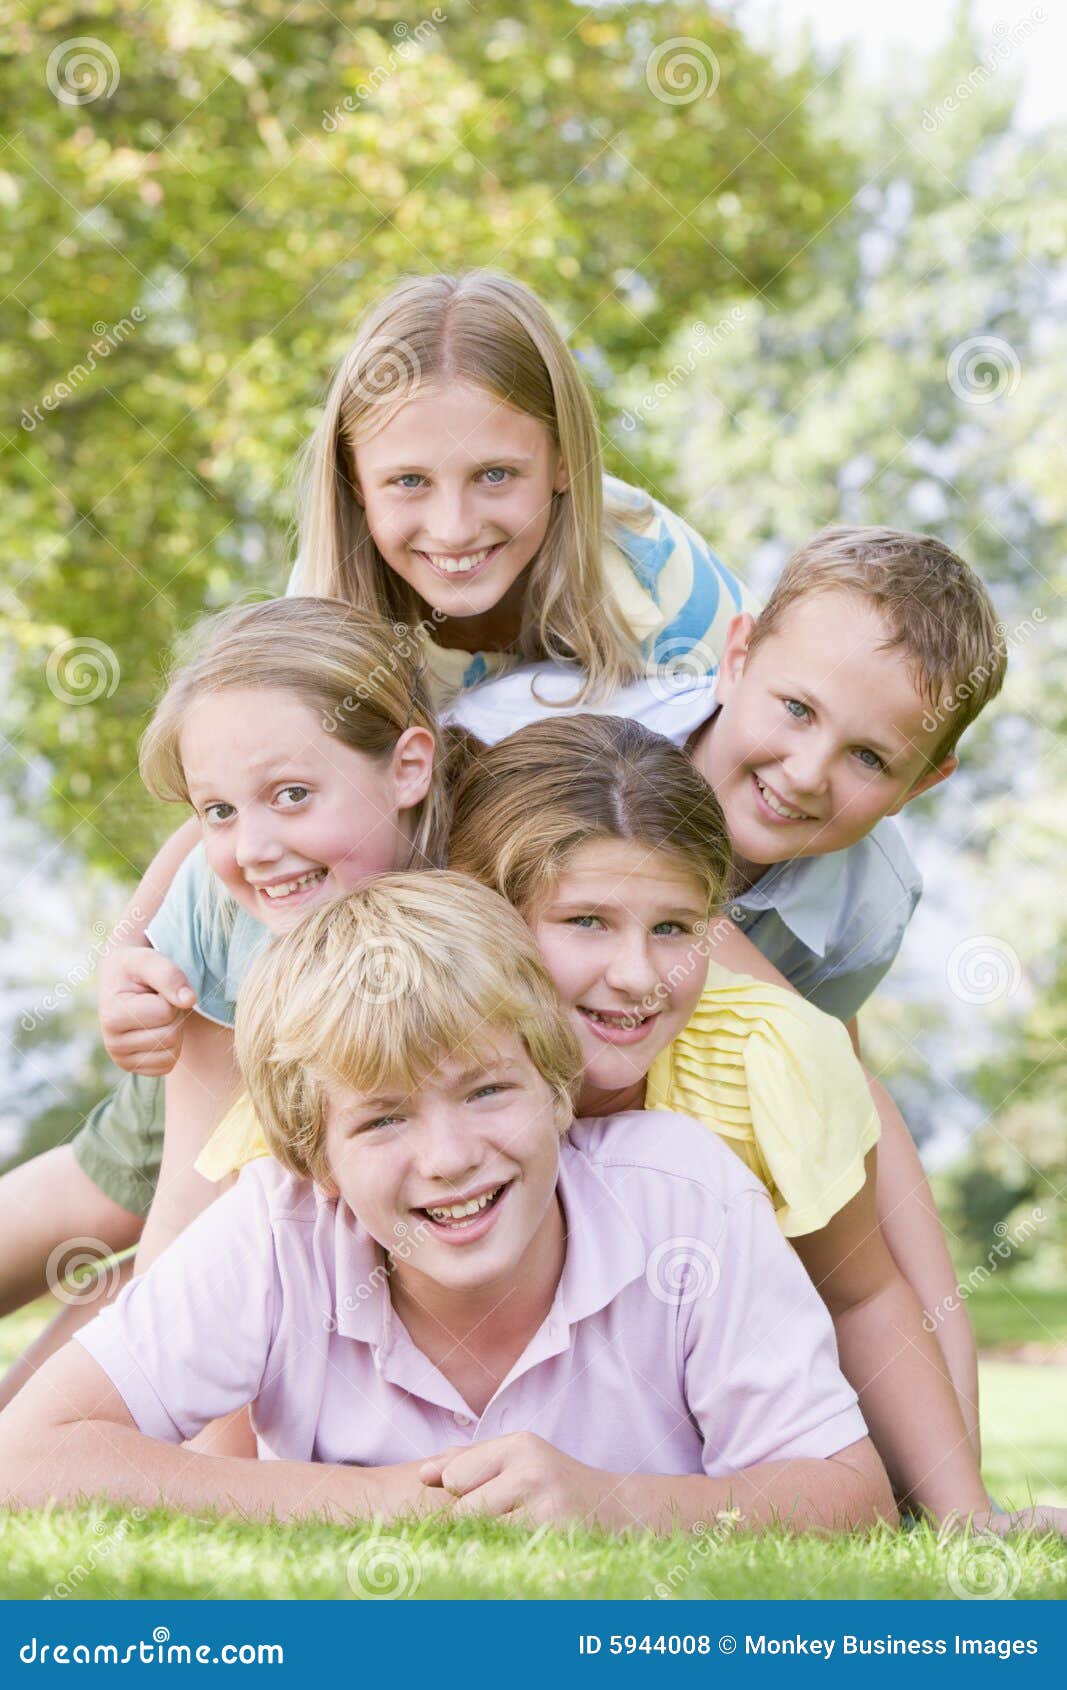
779 1082
775 1077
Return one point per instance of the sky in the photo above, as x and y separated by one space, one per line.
1024 36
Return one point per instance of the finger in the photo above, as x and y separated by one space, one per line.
141 1012
152 1067
152 972
503 1494
475 1466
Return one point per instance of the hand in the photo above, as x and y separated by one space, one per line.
1040 1518
523 1476
144 1001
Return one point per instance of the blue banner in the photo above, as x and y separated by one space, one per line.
563 1643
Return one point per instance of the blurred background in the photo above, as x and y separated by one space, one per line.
813 261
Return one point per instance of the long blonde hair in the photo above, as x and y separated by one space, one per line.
487 330
361 679
523 807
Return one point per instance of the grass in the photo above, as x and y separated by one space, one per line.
102 1552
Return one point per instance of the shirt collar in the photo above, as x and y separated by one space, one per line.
804 894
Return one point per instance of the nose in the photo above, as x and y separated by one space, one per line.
808 767
257 842
449 1149
630 970
452 521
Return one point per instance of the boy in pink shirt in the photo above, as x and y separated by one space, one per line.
432 1299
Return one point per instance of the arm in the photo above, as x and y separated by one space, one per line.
892 1360
68 1435
911 1227
155 882
200 1089
732 949
523 1475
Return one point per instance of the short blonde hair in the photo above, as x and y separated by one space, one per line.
361 678
489 331
935 610
375 989
523 807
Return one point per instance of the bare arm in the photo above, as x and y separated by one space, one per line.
892 1360
69 1435
911 1227
200 1089
522 1475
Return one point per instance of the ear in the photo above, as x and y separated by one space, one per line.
932 777
734 655
412 766
561 480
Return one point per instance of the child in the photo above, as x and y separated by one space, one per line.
302 737
457 424
428 1297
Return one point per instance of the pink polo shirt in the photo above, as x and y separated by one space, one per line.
684 1337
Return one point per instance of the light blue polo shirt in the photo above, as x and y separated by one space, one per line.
210 937
832 924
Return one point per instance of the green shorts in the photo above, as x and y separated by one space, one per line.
120 1145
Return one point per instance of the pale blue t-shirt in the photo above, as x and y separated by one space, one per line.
832 925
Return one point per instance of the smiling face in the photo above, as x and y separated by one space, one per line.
289 815
621 934
457 490
464 1168
820 733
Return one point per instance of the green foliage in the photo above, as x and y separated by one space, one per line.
252 180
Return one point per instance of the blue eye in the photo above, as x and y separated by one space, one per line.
504 473
410 477
876 761
797 710
584 921
674 926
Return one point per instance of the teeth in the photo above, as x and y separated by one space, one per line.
458 565
617 1020
778 807
462 1211
288 886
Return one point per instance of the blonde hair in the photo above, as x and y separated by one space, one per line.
489 331
375 989
935 609
362 681
523 807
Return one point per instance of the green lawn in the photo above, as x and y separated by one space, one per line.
98 1552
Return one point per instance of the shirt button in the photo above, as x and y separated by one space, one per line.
463 1420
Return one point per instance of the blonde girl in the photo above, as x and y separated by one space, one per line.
455 483
615 851
301 735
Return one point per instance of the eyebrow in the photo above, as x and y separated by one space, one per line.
392 1100
500 462
587 906
802 695
271 772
